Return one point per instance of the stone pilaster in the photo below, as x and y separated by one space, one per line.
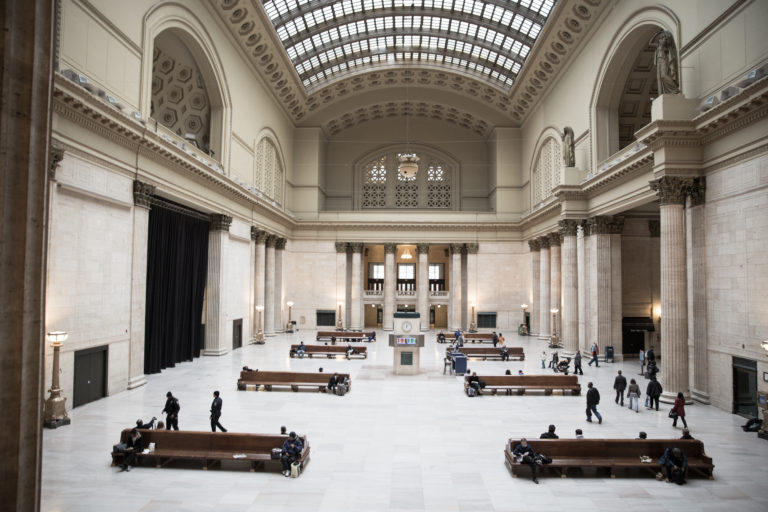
142 192
455 284
674 305
555 279
569 310
697 289
545 323
260 264
278 298
342 285
390 283
269 285
422 289
216 340
533 306
356 319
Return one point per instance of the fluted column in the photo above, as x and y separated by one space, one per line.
341 281
259 238
605 273
544 288
472 295
674 304
455 291
142 193
533 306
279 325
423 285
583 284
269 286
390 283
555 285
570 287
355 321
216 340
697 289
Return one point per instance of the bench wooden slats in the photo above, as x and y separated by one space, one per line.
330 351
294 380
611 454
490 352
521 383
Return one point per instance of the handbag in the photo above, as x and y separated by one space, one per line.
275 453
672 413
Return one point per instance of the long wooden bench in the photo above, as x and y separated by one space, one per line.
343 335
470 337
294 380
330 351
207 448
489 352
611 454
523 383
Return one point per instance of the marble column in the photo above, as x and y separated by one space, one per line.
697 289
269 285
471 294
216 340
422 289
583 285
533 305
259 238
390 283
569 311
455 284
544 289
356 285
142 193
674 301
341 281
605 275
278 297
555 285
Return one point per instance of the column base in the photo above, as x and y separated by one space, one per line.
137 382
57 423
669 398
700 396
215 351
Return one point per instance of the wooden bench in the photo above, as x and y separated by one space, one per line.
489 352
343 335
611 454
523 383
330 351
207 448
470 337
294 380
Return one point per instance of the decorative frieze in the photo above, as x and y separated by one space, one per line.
422 248
472 248
671 189
568 227
142 193
697 190
220 222
534 245
280 244
654 226
341 247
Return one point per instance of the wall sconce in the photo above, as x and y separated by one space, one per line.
259 339
289 325
472 320
55 413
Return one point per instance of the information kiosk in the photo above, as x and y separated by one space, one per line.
406 341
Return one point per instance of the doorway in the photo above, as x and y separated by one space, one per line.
438 317
744 387
237 333
90 375
373 315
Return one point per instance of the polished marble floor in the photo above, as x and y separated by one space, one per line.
393 443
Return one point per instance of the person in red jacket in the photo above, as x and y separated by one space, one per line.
679 410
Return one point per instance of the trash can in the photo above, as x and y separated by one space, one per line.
609 354
460 364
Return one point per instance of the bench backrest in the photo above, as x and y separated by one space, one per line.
555 381
341 349
288 377
235 442
343 334
606 448
470 351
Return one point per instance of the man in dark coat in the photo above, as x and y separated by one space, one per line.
135 444
549 434
291 452
577 364
525 455
171 410
620 384
216 412
676 464
593 398
653 392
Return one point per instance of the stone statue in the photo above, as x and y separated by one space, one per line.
569 159
666 62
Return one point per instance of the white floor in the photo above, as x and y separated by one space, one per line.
393 443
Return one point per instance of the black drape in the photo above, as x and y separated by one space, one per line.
177 262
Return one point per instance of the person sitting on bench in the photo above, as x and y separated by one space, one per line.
146 426
440 337
526 455
504 353
134 445
549 434
291 451
676 464
350 350
474 383
333 382
372 337
301 350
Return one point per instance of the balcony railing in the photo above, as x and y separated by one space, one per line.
406 293
373 293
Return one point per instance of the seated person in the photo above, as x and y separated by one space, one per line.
135 444
579 434
372 337
549 434
508 372
687 434
474 382
247 369
642 435
291 452
333 382
160 426
440 337
520 373
301 349
146 426
351 350
504 353
525 455
676 465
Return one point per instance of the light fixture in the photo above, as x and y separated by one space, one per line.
407 254
259 338
339 324
55 413
409 165
764 344
472 321
289 325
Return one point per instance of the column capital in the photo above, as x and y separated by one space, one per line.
697 190
534 245
341 247
258 235
422 248
280 243
585 227
671 189
390 248
220 222
605 225
654 226
472 248
357 247
57 155
142 193
456 248
568 227
271 240
544 242
616 226
554 239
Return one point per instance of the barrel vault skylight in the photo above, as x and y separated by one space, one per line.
326 39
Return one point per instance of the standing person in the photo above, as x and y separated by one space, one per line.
650 356
525 455
679 410
216 412
653 391
594 351
171 411
502 340
641 355
577 363
495 339
620 384
634 394
555 359
593 398
544 359
291 451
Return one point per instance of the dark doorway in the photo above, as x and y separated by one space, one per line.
237 333
528 321
744 387
633 329
90 375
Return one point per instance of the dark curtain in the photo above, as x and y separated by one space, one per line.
177 262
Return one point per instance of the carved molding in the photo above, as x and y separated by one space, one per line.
422 248
271 241
654 227
57 155
568 227
142 194
472 248
456 248
600 225
220 222
341 247
554 239
280 244
671 189
544 242
357 247
390 248
534 245
616 226
697 191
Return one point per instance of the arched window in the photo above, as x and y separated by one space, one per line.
269 170
546 173
382 185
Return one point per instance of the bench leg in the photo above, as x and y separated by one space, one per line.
268 388
521 391
493 392
563 473
294 388
547 392
613 474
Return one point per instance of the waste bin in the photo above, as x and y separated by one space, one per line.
609 354
460 364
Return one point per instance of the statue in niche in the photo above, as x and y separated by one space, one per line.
666 62
569 159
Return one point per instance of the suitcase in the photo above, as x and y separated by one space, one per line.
341 389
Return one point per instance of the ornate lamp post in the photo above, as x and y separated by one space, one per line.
524 326
339 323
55 414
553 340
472 320
259 340
289 325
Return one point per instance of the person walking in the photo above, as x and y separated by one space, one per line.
544 359
577 364
620 384
678 410
593 398
633 394
594 351
653 392
641 355
216 412
171 411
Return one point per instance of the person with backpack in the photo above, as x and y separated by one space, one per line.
171 411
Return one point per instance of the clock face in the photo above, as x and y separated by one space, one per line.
406 326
